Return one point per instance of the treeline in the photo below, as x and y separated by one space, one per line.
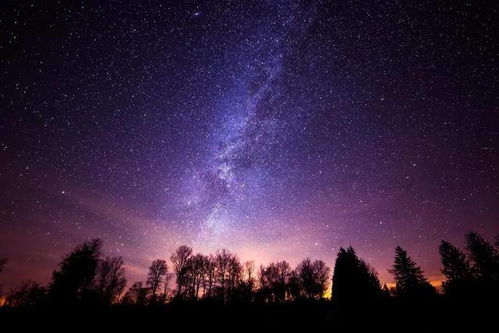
223 278
86 278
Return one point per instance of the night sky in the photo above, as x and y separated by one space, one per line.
275 129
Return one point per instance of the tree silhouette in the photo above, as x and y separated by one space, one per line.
196 275
385 291
110 280
484 257
83 278
456 268
180 262
210 276
228 274
235 271
409 278
265 284
73 281
274 280
222 263
354 281
314 277
247 284
166 288
29 294
137 294
294 285
156 277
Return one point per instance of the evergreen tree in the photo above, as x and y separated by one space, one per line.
456 269
409 278
354 281
484 257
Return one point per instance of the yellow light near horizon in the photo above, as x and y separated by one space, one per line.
328 293
435 283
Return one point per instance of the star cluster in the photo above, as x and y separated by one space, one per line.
275 129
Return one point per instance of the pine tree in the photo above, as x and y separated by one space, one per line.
354 281
409 277
456 268
484 257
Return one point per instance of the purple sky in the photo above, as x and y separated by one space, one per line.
275 129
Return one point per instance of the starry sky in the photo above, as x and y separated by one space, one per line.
275 129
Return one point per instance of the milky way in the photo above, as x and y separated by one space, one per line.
275 129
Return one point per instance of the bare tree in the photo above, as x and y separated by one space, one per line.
249 271
137 294
180 261
235 276
197 274
274 281
265 279
314 276
294 285
210 276
110 279
246 287
166 288
228 273
222 263
156 275
283 271
321 273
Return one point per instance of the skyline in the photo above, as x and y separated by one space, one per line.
277 130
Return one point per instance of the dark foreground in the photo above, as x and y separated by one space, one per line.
308 317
